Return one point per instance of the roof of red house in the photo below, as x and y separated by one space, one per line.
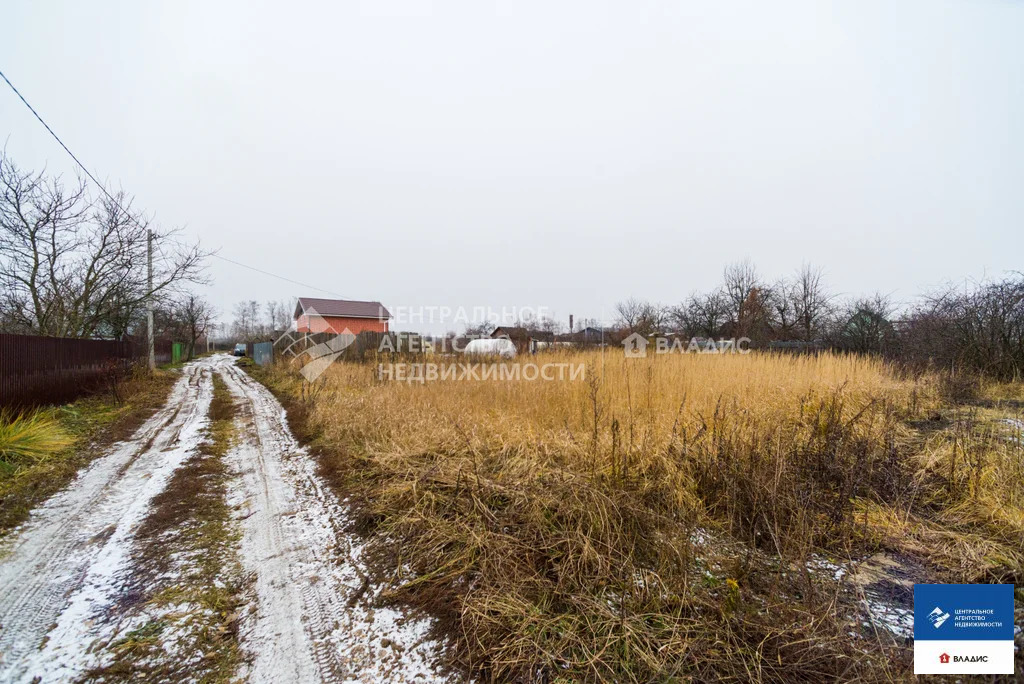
346 308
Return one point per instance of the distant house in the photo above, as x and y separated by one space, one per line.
590 336
526 340
510 332
519 336
314 315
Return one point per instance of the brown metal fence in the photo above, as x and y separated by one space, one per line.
50 370
361 345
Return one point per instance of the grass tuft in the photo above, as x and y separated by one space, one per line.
28 438
88 425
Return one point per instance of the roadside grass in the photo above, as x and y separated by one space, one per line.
184 600
660 519
29 437
75 434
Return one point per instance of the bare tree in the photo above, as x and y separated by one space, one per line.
812 302
630 313
867 325
71 267
533 322
478 330
978 326
781 301
681 319
546 323
194 316
704 314
279 314
35 214
643 317
739 281
246 326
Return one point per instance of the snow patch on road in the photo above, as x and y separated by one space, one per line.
312 617
62 570
65 574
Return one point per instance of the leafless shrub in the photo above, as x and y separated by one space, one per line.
978 328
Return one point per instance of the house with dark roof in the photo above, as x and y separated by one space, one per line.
525 340
313 315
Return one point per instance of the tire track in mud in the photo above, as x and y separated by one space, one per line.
59 572
308 619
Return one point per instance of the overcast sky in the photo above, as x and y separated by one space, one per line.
542 154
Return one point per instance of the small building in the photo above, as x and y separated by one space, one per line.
519 336
587 336
525 340
591 336
313 315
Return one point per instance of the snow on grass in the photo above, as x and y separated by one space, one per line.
1018 427
898 621
820 564
875 607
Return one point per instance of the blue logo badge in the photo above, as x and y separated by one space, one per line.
963 612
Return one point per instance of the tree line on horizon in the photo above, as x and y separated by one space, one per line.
74 265
976 327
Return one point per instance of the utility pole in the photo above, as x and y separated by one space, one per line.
149 301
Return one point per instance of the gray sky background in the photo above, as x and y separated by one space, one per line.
564 155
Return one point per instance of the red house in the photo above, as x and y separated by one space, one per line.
339 315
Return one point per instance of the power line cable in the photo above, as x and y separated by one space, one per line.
260 270
128 214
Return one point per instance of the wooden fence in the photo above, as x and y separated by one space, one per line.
51 370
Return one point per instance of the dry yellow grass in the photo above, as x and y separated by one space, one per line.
28 438
653 396
553 522
671 425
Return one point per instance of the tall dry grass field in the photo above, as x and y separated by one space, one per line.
686 431
649 521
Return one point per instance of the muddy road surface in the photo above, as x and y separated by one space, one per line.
307 612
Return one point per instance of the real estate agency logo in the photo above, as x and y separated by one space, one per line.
319 356
938 617
946 659
635 345
964 629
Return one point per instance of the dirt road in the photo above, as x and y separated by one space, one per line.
306 614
